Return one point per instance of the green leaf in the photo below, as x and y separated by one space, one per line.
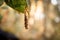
17 4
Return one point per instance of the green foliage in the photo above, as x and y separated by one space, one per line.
0 17
17 4
1 2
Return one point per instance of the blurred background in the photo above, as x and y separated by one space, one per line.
18 16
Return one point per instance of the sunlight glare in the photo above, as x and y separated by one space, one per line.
54 2
39 14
